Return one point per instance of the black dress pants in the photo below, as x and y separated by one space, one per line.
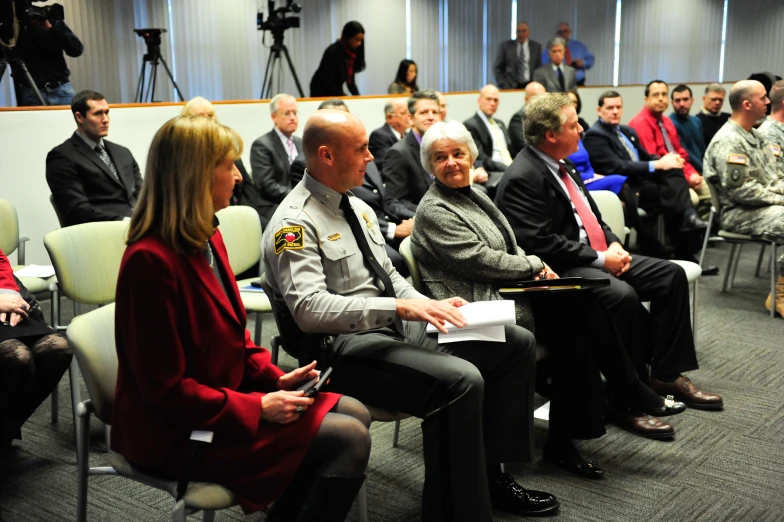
475 400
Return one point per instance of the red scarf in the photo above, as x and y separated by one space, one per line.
349 63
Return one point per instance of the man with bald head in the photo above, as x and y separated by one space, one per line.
325 261
741 164
490 135
516 123
517 60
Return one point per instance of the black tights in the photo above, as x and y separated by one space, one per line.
29 371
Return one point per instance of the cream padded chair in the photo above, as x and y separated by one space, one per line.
612 214
241 231
92 337
86 260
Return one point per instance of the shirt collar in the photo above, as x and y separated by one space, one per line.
651 115
483 117
396 133
556 67
328 197
282 137
553 165
706 112
416 135
90 143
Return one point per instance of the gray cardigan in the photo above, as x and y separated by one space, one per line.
461 252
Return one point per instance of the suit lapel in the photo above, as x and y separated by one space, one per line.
487 138
542 167
278 147
92 156
414 149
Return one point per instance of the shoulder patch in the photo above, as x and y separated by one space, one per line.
738 159
776 150
289 238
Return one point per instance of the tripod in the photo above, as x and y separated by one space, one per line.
152 37
9 56
275 60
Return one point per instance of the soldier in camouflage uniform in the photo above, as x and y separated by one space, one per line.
772 129
742 165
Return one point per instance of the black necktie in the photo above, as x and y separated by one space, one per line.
561 81
364 247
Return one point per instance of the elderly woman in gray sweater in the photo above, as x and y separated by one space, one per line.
465 247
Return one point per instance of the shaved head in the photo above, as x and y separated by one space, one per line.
532 89
741 92
335 144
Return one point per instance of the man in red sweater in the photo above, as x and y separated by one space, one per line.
658 134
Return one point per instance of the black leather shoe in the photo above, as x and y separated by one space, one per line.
693 223
670 407
576 464
508 495
710 270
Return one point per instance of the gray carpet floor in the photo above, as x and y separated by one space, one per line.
721 466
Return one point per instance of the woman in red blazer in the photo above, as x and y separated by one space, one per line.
33 357
186 361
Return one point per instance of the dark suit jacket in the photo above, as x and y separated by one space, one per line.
484 142
405 177
83 188
516 135
506 64
379 143
388 210
194 367
245 193
546 76
608 155
269 164
541 214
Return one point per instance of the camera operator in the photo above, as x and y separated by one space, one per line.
43 38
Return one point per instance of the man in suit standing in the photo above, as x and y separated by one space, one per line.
660 182
405 177
272 154
517 59
516 123
554 217
92 179
398 122
577 54
556 76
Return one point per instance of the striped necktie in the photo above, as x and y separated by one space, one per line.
107 160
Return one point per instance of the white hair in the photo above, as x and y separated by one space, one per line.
445 130
277 99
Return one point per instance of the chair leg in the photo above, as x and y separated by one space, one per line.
694 311
773 278
257 330
208 515
707 235
179 513
362 507
56 404
83 463
275 348
725 285
759 260
396 435
735 263
76 395
107 436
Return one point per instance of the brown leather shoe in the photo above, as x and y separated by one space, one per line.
645 425
685 391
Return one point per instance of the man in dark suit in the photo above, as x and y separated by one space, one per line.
517 59
398 122
615 148
92 179
556 76
516 123
406 180
271 155
554 217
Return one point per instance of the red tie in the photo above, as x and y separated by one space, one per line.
595 233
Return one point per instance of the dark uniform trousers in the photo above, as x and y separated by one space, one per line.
664 333
469 395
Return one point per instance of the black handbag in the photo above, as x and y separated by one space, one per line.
35 311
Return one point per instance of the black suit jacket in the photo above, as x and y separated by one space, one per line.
405 177
388 210
516 133
245 193
541 214
484 142
506 64
379 143
269 164
609 156
84 189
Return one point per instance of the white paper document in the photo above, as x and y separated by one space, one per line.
486 321
42 271
543 412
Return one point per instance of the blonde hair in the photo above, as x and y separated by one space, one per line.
194 104
176 198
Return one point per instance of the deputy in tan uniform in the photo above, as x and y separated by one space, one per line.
743 166
325 256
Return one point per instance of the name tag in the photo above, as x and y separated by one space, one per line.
334 237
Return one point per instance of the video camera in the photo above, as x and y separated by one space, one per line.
277 21
24 13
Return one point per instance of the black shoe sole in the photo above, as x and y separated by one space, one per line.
706 407
550 510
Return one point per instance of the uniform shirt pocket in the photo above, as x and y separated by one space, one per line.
342 261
